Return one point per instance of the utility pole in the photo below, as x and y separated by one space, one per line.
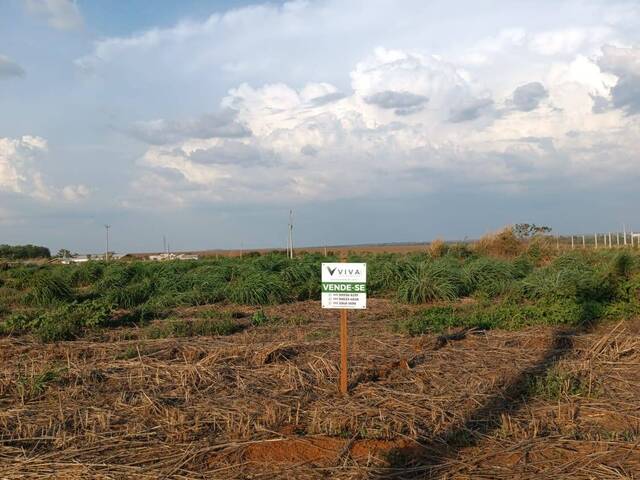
290 252
106 253
164 244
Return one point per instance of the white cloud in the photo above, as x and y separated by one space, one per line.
75 193
319 111
60 14
569 41
19 172
362 144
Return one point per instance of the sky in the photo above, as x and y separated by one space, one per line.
374 120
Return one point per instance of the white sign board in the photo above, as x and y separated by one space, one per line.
344 285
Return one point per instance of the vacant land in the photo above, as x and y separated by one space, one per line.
464 365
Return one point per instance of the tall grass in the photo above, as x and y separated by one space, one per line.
525 287
48 288
429 281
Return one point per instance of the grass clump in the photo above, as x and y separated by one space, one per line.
429 281
257 288
33 385
48 288
488 276
260 318
556 384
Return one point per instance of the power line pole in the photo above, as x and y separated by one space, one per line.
106 253
290 253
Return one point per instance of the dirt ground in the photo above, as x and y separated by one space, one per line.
542 403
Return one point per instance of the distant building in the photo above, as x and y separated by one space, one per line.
88 257
172 256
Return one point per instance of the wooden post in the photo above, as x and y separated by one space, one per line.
595 236
344 346
584 242
344 339
572 244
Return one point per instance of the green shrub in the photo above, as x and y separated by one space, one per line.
94 313
57 325
18 322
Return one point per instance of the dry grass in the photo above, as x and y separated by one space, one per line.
263 404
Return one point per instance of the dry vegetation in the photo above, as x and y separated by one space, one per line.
465 365
262 403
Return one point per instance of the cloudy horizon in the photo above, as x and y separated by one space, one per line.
375 121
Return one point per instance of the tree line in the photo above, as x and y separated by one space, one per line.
23 252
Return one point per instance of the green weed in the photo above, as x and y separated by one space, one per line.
192 328
33 385
556 384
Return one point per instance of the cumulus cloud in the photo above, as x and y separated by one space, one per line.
19 172
402 103
305 149
59 14
527 97
418 117
470 110
625 64
160 132
9 68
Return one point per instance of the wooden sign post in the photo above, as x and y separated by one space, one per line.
344 288
344 347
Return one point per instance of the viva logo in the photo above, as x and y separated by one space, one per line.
343 271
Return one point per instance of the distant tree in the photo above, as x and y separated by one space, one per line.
528 230
23 252
64 253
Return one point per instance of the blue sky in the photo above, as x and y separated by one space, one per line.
376 121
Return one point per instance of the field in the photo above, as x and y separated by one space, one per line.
501 360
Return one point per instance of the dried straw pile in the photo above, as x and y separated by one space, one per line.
263 404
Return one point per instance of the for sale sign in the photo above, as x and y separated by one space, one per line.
344 285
